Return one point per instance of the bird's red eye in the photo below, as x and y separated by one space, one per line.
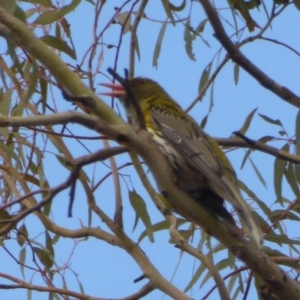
137 84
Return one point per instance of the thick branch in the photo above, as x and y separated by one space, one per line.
26 39
256 145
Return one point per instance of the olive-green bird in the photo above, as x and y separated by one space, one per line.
201 167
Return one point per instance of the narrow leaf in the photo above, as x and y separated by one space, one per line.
158 44
22 235
125 20
46 3
281 239
204 78
236 73
269 120
44 257
291 179
163 225
22 258
279 168
188 38
179 7
49 243
140 208
261 179
247 122
168 11
195 277
58 44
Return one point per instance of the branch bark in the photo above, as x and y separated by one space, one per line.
140 142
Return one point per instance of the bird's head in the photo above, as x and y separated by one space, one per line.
142 89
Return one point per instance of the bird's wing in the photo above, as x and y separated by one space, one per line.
190 141
204 156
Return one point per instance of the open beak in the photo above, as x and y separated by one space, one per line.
117 90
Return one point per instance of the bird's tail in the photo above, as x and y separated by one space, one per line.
244 211
250 226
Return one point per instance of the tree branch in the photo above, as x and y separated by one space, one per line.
237 56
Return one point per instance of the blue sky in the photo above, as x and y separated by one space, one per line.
107 271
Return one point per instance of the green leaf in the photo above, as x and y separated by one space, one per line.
136 47
211 98
51 16
140 208
55 239
22 258
204 121
233 279
266 138
247 122
68 8
80 287
247 154
261 179
252 195
281 239
168 11
204 78
291 179
269 120
221 265
200 27
297 172
158 44
45 257
44 89
179 7
5 102
20 14
46 3
22 235
31 74
163 225
236 73
188 38
49 243
195 277
276 253
47 17
125 20
9 5
283 215
279 169
135 223
58 44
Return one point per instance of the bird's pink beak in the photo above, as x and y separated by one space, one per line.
117 90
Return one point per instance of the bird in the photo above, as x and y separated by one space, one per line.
201 167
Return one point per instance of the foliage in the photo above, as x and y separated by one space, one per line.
57 187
